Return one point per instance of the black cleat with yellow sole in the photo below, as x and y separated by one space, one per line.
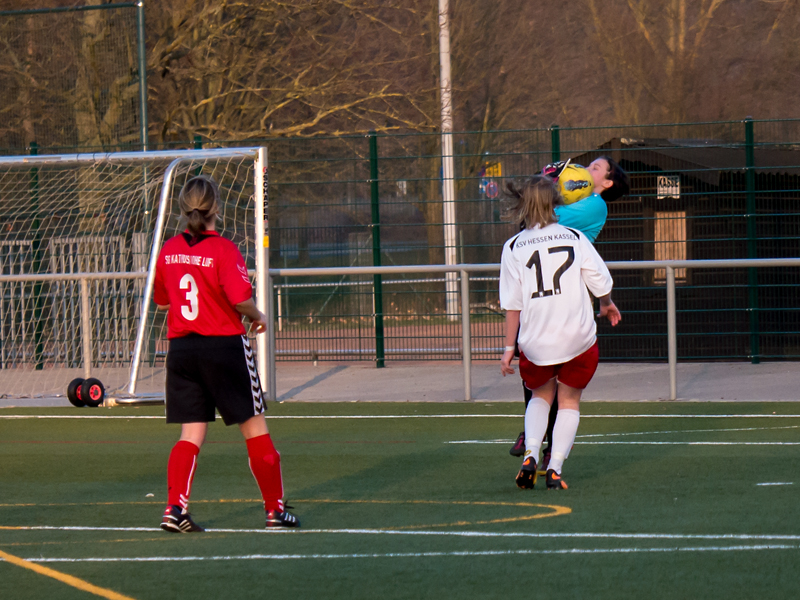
542 469
526 478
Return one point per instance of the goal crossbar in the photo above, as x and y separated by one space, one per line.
30 161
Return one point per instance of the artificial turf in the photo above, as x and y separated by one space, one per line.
392 508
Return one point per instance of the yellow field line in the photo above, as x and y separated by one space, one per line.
160 538
441 502
24 504
126 503
258 500
557 510
63 578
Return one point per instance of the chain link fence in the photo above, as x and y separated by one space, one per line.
698 191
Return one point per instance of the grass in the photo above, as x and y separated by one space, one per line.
390 508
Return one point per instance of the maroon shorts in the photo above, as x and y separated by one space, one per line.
576 373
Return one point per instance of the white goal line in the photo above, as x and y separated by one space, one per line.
638 443
740 537
484 416
455 553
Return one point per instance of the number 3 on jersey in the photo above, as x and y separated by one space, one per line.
189 312
536 261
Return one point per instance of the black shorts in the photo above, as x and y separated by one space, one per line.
206 373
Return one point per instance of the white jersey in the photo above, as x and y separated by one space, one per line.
545 273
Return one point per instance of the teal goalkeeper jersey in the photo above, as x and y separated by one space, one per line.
587 216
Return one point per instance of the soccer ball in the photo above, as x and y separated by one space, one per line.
575 183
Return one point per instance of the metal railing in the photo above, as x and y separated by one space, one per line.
463 270
85 312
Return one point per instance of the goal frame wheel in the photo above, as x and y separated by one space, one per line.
93 392
74 392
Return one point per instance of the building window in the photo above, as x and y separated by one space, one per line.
670 242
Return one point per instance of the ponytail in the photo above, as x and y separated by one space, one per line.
199 200
196 222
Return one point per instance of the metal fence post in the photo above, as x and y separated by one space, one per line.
198 145
376 248
38 329
466 336
272 374
672 335
86 329
555 143
752 249
280 308
140 31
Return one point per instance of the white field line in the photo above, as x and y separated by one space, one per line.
461 553
519 416
629 433
468 534
638 443
777 483
80 417
727 429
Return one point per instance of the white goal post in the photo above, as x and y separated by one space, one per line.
79 235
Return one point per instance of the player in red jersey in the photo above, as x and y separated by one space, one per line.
201 279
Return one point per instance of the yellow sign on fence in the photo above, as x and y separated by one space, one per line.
493 170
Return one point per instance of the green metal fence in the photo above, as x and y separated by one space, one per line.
699 191
713 190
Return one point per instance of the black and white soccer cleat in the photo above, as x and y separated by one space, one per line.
281 518
176 520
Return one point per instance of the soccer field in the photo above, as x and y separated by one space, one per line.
666 500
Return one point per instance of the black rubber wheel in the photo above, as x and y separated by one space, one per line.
74 392
92 392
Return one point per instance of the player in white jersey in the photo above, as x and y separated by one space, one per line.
546 274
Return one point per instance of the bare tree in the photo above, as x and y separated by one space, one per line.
70 79
650 49
239 70
678 60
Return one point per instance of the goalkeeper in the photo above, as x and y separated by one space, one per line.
588 216
201 279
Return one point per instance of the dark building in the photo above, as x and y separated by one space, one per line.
690 199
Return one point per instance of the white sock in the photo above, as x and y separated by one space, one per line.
535 426
564 432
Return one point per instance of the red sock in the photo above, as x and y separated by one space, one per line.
265 463
180 473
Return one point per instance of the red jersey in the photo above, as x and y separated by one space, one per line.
202 282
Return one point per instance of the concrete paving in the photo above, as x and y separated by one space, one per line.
444 382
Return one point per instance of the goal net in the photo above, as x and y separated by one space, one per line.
78 236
